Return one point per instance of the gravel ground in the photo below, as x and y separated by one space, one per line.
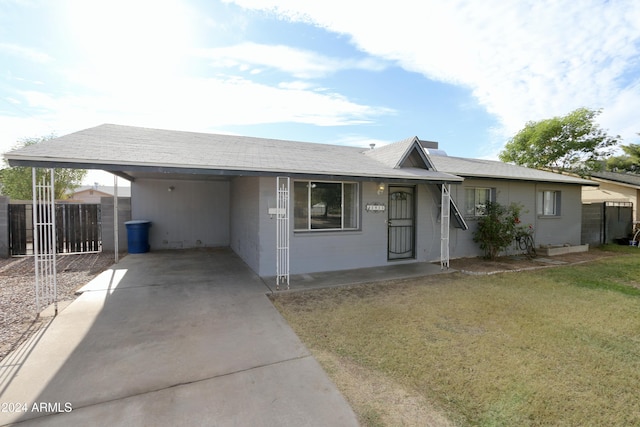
17 294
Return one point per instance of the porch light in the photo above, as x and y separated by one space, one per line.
380 188
171 188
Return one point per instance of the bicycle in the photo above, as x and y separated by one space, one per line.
525 243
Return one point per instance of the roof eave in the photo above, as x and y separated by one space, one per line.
126 170
584 182
614 181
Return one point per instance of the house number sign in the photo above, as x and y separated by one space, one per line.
375 207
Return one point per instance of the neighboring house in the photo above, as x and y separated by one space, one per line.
614 187
349 207
93 193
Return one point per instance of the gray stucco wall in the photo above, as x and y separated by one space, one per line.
565 229
236 214
330 250
4 227
562 229
428 223
267 226
193 214
367 247
245 212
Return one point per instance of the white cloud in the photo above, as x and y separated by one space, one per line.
191 104
302 64
523 61
25 52
296 85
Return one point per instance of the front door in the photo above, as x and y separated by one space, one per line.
401 223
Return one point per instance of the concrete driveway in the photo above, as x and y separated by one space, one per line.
170 338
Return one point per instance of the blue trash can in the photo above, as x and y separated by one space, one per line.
138 236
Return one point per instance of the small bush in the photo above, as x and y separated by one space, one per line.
497 229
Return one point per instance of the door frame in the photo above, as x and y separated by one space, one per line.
407 222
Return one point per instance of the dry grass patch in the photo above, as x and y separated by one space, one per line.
559 346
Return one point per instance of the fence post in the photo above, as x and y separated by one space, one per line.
4 227
124 214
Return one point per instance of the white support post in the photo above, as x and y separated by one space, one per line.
282 231
44 241
445 220
36 237
116 254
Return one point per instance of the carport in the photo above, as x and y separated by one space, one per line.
185 195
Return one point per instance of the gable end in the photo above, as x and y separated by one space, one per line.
416 157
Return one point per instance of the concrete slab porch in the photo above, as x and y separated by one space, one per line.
327 279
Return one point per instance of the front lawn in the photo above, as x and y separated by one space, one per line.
557 346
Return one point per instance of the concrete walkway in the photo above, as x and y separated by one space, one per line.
328 279
170 338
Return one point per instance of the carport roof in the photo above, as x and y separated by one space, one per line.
134 151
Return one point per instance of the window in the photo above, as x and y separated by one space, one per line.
476 200
320 205
549 203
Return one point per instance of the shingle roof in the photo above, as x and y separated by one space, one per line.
391 155
479 168
622 178
115 147
125 148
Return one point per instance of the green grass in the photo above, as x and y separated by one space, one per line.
557 346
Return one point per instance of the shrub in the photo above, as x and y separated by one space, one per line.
497 229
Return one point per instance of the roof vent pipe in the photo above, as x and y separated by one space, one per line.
372 145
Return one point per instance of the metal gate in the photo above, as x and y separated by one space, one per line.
401 223
20 229
77 228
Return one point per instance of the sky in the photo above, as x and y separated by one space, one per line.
467 74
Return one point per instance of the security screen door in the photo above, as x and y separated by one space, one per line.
401 223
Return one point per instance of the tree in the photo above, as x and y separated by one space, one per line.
16 182
570 143
628 162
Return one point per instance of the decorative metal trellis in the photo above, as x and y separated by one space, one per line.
445 219
44 240
282 231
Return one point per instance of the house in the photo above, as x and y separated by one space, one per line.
326 207
551 202
93 193
614 187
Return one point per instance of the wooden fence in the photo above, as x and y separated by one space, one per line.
77 228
